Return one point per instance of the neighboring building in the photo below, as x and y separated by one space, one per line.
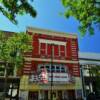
51 67
11 83
90 68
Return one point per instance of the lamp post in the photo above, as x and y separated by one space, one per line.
51 96
83 81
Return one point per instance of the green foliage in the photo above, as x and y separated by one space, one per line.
85 11
18 44
4 53
12 8
12 49
95 72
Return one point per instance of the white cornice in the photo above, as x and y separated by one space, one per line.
52 42
50 32
50 60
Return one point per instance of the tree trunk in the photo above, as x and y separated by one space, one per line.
14 70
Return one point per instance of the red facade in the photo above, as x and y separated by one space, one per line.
58 49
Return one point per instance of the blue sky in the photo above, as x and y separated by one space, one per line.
48 17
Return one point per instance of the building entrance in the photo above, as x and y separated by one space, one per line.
56 94
33 95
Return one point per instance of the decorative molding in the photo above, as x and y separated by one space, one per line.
50 32
52 42
49 60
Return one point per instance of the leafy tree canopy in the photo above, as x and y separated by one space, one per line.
17 45
87 12
12 49
12 8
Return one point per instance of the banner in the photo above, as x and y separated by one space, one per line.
41 77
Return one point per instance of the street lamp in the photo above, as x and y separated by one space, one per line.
51 96
83 81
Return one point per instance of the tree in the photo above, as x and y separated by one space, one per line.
4 56
12 8
18 44
95 72
85 11
12 51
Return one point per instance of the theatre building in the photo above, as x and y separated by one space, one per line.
51 68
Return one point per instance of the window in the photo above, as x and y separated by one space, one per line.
9 70
56 68
49 49
63 69
41 67
2 70
48 68
53 68
42 48
56 50
62 51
